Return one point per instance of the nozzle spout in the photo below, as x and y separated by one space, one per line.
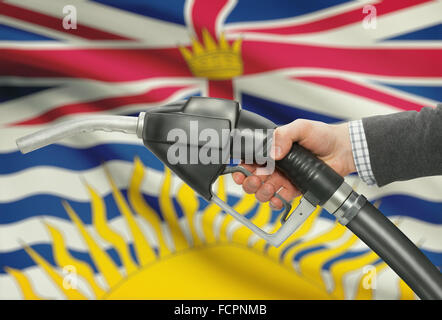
36 140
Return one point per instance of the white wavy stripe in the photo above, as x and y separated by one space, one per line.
385 281
222 16
234 27
127 109
312 97
68 183
44 286
345 43
355 35
33 105
49 33
384 285
33 231
388 26
106 18
426 188
41 283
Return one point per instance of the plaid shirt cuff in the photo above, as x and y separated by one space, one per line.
360 152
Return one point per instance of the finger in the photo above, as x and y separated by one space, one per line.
273 183
239 177
287 194
251 184
265 192
284 136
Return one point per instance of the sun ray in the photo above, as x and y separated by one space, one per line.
24 284
211 211
169 213
339 269
63 258
367 293
70 292
107 233
104 263
333 233
142 207
261 218
311 265
304 229
144 251
188 201
405 293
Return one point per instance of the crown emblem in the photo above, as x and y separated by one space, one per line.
212 60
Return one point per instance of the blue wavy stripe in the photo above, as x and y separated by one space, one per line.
286 249
434 257
430 92
342 256
50 206
19 259
406 206
305 252
281 113
252 10
171 10
430 33
8 33
8 92
77 159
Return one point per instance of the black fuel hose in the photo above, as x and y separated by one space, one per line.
384 238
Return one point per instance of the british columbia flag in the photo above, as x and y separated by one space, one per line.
97 216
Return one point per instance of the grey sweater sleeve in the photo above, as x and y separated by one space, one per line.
405 145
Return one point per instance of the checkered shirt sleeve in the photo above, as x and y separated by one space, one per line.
360 152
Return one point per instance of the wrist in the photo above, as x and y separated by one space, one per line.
361 156
346 149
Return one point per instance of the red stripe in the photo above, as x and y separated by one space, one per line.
204 15
335 21
152 96
135 64
362 91
56 23
220 89
401 62
97 64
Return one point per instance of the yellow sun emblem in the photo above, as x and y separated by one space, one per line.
219 260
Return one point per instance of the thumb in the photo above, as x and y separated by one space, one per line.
286 135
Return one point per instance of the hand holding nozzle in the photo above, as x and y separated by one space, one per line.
330 142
